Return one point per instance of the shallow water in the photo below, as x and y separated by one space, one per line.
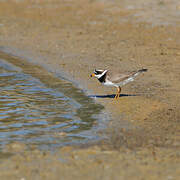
39 109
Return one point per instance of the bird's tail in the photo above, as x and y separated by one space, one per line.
143 70
139 72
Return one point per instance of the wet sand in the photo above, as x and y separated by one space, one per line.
74 38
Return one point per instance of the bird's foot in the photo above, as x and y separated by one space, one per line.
116 96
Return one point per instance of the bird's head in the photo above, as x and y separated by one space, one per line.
98 73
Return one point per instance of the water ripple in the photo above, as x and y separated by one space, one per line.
36 113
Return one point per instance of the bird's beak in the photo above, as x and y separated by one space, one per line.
92 75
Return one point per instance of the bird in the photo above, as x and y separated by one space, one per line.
118 80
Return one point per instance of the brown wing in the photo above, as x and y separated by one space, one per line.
120 77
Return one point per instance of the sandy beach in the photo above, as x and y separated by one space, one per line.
75 37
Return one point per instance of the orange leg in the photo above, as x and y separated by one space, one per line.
118 92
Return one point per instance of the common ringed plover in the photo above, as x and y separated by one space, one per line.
117 80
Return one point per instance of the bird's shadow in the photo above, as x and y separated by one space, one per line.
111 95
